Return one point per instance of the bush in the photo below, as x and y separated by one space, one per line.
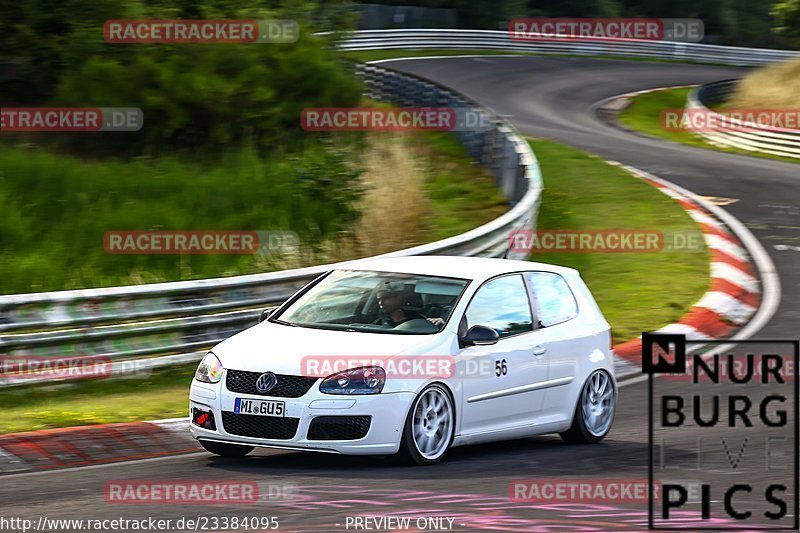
775 86
55 210
193 96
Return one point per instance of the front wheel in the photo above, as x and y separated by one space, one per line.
226 450
594 413
429 428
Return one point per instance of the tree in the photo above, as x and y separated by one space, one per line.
787 20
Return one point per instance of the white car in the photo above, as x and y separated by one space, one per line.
413 355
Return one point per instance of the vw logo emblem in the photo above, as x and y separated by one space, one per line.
266 382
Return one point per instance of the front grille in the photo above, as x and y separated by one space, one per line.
261 427
287 386
339 427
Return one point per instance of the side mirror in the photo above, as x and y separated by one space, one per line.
265 313
479 336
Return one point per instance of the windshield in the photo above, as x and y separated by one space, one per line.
376 302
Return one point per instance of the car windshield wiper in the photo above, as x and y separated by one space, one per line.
283 322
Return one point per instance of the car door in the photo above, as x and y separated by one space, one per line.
499 380
556 310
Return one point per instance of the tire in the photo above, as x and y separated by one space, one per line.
428 431
598 396
226 450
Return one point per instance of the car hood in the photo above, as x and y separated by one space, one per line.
281 349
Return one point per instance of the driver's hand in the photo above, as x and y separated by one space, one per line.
436 321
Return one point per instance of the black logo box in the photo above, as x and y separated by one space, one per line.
675 347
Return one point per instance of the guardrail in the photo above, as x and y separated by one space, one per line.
741 135
178 321
501 40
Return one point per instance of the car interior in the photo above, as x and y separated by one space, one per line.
353 304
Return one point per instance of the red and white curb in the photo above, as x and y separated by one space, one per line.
94 445
739 273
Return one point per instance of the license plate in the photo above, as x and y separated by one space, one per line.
258 407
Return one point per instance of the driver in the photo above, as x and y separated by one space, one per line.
390 300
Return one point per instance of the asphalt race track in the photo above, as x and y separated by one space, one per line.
545 97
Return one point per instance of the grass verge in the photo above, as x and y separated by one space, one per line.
162 394
637 292
644 115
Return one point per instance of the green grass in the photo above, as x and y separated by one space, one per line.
462 195
636 291
55 209
162 394
644 115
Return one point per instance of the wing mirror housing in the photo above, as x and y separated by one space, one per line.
479 336
266 313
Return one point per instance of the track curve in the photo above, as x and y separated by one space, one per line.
555 98
546 97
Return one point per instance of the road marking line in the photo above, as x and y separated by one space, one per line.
719 200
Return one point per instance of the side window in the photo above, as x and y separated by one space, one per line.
501 304
554 300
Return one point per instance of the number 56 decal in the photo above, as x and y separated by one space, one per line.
500 367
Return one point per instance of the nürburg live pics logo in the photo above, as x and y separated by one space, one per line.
722 433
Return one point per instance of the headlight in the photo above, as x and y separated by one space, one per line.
365 380
209 370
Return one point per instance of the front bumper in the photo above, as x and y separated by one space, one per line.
387 412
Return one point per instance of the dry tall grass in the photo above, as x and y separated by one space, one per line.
394 207
773 87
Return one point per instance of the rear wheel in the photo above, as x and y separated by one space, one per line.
429 428
594 413
226 450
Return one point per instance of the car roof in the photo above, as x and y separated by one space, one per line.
475 268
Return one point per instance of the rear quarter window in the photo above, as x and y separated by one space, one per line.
553 299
